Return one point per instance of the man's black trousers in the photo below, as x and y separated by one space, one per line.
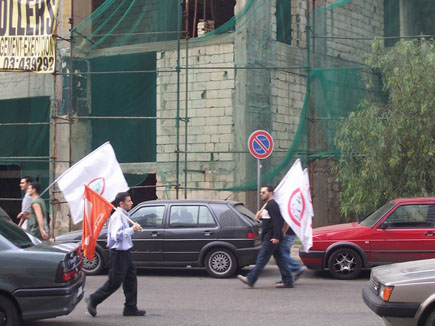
122 271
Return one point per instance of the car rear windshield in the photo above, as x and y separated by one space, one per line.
15 234
374 217
247 213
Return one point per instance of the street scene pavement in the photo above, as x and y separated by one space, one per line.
191 297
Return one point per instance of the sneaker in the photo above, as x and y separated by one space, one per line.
278 282
245 280
284 286
298 274
92 309
134 313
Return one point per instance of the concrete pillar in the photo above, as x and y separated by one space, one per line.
240 4
407 14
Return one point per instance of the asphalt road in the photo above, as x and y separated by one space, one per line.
191 297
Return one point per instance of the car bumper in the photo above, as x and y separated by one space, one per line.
248 256
50 302
388 309
312 259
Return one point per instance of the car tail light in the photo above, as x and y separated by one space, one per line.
385 292
69 268
69 275
252 235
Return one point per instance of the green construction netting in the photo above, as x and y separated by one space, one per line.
115 55
136 97
24 134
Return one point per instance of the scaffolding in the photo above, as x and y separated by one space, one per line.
326 66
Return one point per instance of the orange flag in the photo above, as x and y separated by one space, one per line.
97 210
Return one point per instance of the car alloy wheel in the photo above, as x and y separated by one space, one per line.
345 264
220 263
94 266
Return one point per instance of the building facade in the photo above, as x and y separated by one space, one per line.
179 109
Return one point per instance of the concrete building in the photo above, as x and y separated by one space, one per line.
210 95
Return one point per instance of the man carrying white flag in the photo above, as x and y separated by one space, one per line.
294 200
100 171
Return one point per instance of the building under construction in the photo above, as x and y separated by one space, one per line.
177 87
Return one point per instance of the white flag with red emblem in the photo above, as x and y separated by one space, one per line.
294 200
100 171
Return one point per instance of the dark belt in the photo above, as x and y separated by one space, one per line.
119 250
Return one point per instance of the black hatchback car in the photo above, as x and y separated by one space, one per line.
222 236
38 280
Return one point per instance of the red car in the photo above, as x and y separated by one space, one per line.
401 230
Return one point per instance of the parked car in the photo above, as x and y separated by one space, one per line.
38 280
403 293
222 236
401 230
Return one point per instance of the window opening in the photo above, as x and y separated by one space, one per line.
202 16
283 21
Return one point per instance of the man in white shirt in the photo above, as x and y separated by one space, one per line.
23 216
122 269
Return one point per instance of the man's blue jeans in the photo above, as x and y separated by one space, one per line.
267 250
284 248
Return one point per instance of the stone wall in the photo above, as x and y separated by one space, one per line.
345 32
225 105
210 126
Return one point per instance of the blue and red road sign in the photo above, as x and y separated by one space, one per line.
260 144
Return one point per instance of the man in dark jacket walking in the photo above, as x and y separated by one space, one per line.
272 225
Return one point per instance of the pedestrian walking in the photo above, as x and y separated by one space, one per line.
272 225
23 216
285 248
122 270
38 216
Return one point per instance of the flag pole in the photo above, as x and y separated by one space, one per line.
125 216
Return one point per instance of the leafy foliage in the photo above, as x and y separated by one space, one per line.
388 149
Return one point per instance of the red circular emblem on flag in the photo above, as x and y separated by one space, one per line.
296 206
98 185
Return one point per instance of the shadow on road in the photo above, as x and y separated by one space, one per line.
364 275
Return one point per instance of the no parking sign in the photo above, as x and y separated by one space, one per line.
260 144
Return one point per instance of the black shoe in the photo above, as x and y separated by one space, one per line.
92 309
298 274
134 313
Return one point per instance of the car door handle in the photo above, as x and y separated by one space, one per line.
429 234
155 234
208 233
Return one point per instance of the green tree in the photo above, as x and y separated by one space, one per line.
388 148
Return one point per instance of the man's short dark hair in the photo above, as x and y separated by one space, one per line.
269 188
37 186
28 179
120 197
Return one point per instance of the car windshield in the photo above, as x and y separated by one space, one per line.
15 234
246 212
374 217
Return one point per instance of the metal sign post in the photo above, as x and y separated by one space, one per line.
258 183
260 144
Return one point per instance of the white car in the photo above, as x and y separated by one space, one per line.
403 293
